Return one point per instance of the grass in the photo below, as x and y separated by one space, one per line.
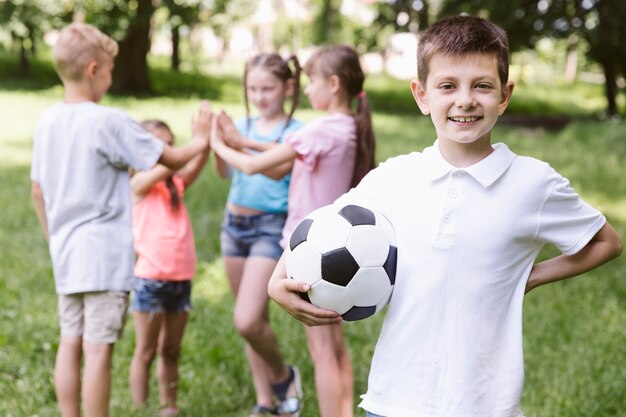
575 331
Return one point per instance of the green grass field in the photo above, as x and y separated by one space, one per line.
575 331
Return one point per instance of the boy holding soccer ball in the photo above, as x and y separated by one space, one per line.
470 219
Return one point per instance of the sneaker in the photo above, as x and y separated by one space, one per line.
263 411
291 403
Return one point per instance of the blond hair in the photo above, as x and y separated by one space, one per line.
78 45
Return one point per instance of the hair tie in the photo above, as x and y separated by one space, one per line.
361 95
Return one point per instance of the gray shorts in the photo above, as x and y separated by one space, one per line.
98 317
256 235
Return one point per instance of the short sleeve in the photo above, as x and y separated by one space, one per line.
127 144
566 220
304 143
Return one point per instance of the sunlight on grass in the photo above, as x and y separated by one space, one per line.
210 283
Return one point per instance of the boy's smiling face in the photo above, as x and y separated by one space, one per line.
464 97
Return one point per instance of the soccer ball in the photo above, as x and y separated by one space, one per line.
348 257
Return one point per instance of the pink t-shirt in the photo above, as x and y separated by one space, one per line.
323 169
163 237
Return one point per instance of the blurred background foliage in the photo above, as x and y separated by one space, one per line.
562 40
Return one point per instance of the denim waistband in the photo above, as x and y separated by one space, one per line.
254 218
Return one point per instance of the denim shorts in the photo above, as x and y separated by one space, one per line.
368 414
256 235
161 296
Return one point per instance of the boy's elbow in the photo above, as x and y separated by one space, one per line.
618 247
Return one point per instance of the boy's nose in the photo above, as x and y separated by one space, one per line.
465 99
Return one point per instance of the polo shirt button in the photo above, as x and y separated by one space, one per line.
446 219
458 174
452 193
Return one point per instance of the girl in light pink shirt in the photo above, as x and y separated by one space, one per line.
166 263
329 156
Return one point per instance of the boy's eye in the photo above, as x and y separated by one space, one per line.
446 86
483 85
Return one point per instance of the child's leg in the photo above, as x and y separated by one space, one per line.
170 337
235 266
67 375
333 378
105 316
67 368
252 315
345 369
97 379
147 327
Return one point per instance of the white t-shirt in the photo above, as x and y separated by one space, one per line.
81 156
451 342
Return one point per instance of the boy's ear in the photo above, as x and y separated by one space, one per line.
419 94
91 69
507 92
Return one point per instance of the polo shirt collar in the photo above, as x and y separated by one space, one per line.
485 171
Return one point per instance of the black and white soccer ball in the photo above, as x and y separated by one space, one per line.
348 257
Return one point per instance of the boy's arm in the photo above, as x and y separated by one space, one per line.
603 247
38 202
176 158
285 292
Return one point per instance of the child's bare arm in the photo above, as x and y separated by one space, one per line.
190 172
234 139
176 158
38 202
143 181
251 164
603 247
285 292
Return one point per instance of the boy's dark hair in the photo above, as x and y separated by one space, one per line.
343 61
278 66
153 124
460 35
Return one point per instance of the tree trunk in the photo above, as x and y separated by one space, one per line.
175 48
131 66
24 68
610 86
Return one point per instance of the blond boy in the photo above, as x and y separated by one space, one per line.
470 218
80 188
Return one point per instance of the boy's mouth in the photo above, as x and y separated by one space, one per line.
464 119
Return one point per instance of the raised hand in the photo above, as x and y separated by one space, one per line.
229 131
201 124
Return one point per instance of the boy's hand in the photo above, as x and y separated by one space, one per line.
286 293
229 131
202 123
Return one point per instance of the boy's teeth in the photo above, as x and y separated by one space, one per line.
464 119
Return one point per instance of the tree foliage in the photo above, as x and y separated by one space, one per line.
599 22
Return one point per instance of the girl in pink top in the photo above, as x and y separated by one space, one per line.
329 156
166 263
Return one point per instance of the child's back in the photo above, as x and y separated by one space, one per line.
81 157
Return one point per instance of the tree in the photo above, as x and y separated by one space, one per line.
26 20
599 22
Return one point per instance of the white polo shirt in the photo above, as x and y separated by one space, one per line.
451 342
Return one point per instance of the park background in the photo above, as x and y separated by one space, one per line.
569 64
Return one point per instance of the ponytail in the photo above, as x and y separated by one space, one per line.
365 140
343 61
